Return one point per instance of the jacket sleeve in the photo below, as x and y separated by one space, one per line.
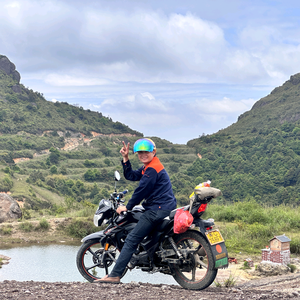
144 189
130 174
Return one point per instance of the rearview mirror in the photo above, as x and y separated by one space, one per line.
117 176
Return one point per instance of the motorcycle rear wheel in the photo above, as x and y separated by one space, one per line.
199 272
89 260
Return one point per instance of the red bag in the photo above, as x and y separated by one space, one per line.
182 221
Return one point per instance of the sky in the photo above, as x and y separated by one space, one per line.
172 69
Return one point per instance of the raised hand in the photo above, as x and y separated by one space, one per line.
125 151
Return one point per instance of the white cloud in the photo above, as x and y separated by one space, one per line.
221 107
117 45
68 80
142 102
154 65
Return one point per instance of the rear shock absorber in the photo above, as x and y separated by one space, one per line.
175 248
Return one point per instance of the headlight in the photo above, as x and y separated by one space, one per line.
97 218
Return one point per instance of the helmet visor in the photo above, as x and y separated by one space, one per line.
143 145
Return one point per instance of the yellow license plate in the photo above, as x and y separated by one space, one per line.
214 237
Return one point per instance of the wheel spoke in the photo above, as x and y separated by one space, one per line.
202 264
93 266
93 253
194 272
94 262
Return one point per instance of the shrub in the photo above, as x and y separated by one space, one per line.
295 246
245 265
80 229
25 214
26 226
43 225
6 230
292 267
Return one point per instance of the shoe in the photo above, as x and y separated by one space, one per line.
107 279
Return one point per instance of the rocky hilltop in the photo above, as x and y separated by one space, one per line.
9 68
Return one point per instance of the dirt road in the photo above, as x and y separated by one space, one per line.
278 287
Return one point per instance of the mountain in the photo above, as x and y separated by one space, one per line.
23 109
257 157
54 154
281 106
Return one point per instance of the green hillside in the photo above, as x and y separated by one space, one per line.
56 153
23 109
53 154
258 156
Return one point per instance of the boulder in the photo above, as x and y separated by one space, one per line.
272 269
9 208
9 68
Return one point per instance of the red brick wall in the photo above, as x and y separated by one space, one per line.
279 257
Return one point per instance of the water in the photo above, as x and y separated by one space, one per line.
54 263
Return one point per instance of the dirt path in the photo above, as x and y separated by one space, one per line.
282 287
248 285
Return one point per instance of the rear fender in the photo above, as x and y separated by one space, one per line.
219 251
202 224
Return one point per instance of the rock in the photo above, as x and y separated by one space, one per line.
9 208
17 89
9 68
272 269
4 259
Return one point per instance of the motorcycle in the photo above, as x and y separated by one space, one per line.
192 258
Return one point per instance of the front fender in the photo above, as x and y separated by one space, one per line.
219 251
94 236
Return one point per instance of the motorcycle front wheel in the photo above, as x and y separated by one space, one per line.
197 272
93 262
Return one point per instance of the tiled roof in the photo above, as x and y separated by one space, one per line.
282 238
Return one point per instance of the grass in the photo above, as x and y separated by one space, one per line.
245 266
26 226
229 282
6 230
47 195
43 225
247 226
79 228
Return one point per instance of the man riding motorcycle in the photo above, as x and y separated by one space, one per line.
155 188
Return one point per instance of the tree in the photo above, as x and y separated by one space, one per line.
54 156
53 169
94 191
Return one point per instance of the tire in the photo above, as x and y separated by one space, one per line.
197 272
89 258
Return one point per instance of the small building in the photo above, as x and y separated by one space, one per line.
279 250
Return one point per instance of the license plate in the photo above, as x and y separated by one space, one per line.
214 237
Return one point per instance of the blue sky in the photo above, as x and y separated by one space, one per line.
172 69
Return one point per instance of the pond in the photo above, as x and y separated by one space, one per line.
54 263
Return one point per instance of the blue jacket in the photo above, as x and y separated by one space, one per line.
155 186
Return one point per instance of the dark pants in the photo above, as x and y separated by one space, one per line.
148 221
